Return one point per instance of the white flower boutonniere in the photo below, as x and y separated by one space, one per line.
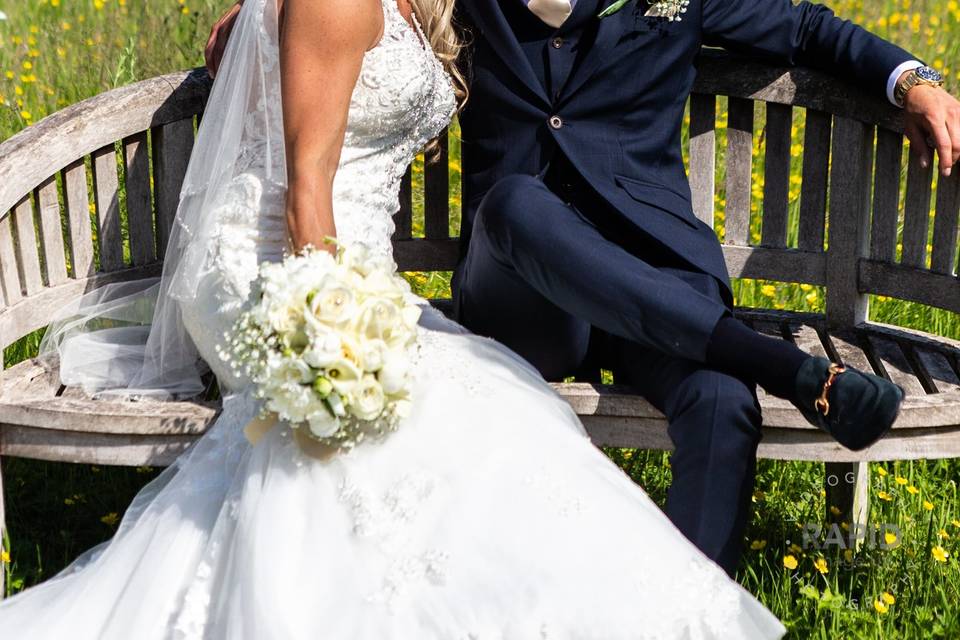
672 10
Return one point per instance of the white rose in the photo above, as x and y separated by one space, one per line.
325 349
323 423
382 284
367 400
371 355
395 373
331 306
376 318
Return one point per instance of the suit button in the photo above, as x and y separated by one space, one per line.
557 43
556 122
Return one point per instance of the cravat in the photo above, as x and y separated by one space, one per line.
552 12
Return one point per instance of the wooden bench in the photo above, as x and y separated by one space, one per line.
51 172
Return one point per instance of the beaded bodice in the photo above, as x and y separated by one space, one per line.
402 99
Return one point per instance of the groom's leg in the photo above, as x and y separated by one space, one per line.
523 228
714 423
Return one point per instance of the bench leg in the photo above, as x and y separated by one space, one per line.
846 485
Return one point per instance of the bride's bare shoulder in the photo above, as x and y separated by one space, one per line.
334 23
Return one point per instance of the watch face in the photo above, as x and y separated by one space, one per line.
929 73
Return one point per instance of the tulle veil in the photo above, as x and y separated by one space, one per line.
128 339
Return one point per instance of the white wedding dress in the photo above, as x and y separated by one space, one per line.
487 515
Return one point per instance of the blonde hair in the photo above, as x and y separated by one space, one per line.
447 41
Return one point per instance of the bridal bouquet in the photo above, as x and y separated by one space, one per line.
326 343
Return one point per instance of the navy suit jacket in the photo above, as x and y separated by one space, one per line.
622 103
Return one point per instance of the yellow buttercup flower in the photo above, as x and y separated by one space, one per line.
820 564
939 554
943 534
928 505
4 557
757 545
913 490
889 537
110 519
883 495
901 480
880 607
881 471
887 597
790 562
955 523
768 290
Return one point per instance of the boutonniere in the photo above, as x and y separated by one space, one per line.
672 10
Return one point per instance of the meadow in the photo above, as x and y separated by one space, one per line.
57 52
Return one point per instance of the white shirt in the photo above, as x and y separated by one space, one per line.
891 80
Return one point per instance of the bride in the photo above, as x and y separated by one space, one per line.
488 514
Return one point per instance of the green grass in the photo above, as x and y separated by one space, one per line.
57 52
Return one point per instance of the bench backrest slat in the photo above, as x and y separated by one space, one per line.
739 158
403 219
852 159
886 195
172 145
51 231
77 201
28 255
436 194
703 155
9 274
916 213
944 256
106 187
813 187
143 244
776 178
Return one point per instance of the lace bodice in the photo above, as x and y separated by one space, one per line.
403 98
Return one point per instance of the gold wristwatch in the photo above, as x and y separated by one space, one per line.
920 75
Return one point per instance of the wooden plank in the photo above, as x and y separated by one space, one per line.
739 171
775 264
852 156
106 186
740 75
28 258
847 489
908 283
916 214
51 232
436 194
39 151
9 274
943 258
143 248
703 155
888 358
813 188
941 375
93 448
172 146
77 201
403 219
776 175
886 195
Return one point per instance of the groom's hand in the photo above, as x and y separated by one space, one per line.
219 35
932 120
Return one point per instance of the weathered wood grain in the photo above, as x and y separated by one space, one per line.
916 213
28 257
813 188
143 248
944 256
172 145
886 195
775 264
9 273
39 151
51 232
776 175
739 159
106 187
852 156
909 283
77 203
703 155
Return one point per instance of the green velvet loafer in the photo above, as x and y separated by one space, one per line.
854 407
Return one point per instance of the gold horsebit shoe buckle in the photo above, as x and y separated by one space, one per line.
822 404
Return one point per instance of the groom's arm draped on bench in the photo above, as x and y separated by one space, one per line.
580 246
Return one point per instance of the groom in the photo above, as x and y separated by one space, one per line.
580 247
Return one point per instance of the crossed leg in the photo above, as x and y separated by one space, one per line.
544 280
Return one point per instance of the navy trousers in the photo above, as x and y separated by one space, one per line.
554 275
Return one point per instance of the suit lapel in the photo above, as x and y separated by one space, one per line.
489 17
608 34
